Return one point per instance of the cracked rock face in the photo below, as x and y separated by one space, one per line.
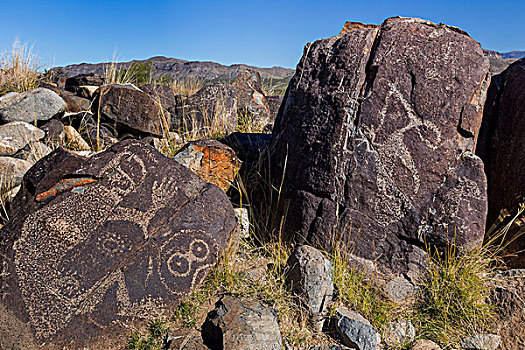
377 130
117 240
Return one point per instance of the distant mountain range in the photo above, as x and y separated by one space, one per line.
512 54
182 69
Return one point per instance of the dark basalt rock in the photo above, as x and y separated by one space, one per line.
377 129
107 245
161 94
129 109
502 149
73 83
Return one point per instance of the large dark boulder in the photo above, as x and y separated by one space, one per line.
376 134
130 110
501 146
115 241
161 94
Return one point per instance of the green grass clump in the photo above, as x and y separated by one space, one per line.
156 338
356 291
453 300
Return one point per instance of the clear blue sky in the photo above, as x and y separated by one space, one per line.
263 33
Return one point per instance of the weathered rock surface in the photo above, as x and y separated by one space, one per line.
117 240
13 169
251 101
377 130
310 277
213 106
31 106
54 130
350 26
75 104
424 344
213 161
236 325
508 298
355 330
501 147
129 109
15 136
399 332
73 83
481 342
161 94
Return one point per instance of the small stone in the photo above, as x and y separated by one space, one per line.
236 324
37 104
74 140
243 220
399 332
15 136
356 330
400 290
310 276
481 342
424 344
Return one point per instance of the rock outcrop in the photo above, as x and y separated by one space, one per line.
377 131
502 149
102 244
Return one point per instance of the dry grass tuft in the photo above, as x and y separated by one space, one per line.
18 69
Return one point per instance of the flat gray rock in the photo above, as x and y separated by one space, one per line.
37 104
355 330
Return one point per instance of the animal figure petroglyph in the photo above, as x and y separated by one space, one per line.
75 250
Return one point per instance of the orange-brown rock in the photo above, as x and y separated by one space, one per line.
349 26
213 161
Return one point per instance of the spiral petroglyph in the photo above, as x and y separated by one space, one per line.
138 238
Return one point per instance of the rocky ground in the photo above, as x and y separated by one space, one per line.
377 205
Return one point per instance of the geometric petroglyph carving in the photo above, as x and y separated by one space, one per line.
122 246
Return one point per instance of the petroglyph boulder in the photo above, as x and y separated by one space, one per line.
118 240
502 149
213 161
128 109
376 133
